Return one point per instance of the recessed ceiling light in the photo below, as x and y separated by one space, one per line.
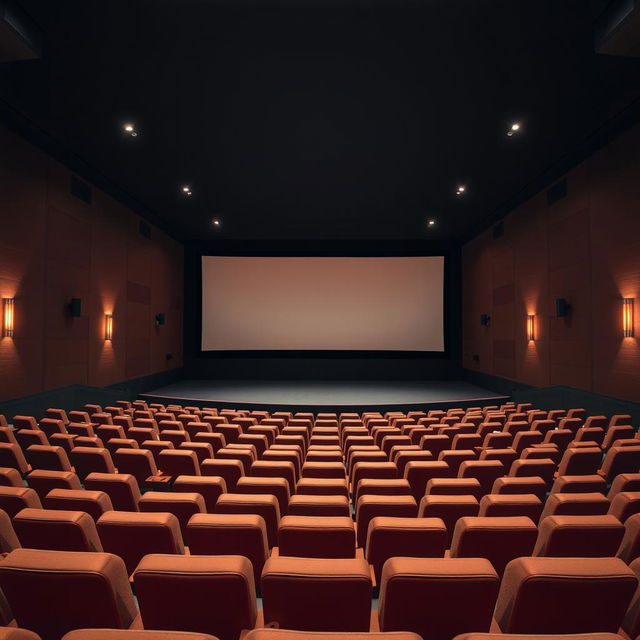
130 129
515 127
431 223
216 222
460 189
186 189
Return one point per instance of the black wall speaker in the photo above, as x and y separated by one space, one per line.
75 307
485 319
562 308
160 319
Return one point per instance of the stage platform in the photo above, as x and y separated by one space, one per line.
321 395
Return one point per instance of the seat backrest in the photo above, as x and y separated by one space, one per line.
209 594
66 585
57 530
122 489
11 456
564 595
133 535
579 536
89 459
14 499
291 589
408 584
8 538
137 462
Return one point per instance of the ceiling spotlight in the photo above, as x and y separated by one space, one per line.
130 129
431 223
460 189
515 127
187 190
216 222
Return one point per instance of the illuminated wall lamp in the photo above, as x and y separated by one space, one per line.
108 326
628 329
7 329
531 326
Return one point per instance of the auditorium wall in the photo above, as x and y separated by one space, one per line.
55 247
585 248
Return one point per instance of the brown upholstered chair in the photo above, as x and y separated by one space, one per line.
317 537
564 595
206 594
293 587
411 587
132 535
66 585
57 530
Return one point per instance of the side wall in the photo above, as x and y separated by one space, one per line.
54 247
584 248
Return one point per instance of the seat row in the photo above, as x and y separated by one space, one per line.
52 593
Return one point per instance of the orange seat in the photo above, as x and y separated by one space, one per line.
625 504
317 537
371 506
413 537
209 487
229 470
564 595
579 484
412 586
122 489
629 548
323 486
225 534
95 503
579 536
258 504
500 540
206 594
513 504
66 585
291 589
182 505
14 499
57 530
524 485
575 504
133 535
450 508
310 505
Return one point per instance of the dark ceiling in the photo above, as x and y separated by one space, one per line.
321 119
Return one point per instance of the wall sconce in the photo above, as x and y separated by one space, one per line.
7 330
628 329
531 326
108 326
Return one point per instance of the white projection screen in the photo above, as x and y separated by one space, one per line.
369 304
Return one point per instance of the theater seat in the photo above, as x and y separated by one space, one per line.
42 481
575 504
11 456
66 585
206 594
497 539
313 594
629 548
140 463
412 537
579 484
133 535
625 504
14 499
57 530
564 595
10 477
182 505
579 536
317 537
122 489
506 505
15 633
86 460
8 540
371 506
624 482
449 509
41 456
95 503
520 486
229 470
258 504
225 534
437 598
209 487
323 486
314 506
